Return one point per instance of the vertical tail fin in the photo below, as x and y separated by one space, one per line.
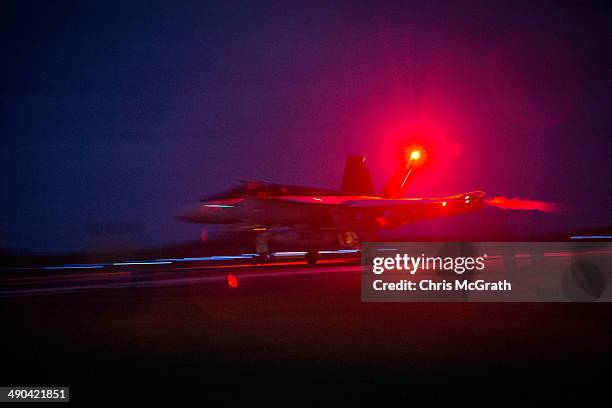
356 179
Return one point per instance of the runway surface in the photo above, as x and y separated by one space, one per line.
284 334
211 271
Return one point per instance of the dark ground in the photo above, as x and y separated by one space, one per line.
299 340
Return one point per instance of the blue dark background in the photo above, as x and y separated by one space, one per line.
118 113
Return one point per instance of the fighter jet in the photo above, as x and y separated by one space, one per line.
316 218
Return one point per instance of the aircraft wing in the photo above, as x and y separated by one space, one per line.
473 197
385 213
390 213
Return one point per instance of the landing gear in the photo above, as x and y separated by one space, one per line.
263 251
261 259
312 256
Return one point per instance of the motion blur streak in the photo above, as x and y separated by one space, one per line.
520 204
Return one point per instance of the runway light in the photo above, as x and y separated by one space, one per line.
443 203
526 205
232 281
415 155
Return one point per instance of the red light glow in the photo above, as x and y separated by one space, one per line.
232 281
414 155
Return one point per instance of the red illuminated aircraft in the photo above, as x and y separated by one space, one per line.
314 218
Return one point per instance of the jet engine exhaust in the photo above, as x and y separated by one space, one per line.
525 205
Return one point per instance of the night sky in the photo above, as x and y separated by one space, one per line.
119 114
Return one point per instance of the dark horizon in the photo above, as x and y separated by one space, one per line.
119 114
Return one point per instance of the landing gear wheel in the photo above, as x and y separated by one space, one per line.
312 257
